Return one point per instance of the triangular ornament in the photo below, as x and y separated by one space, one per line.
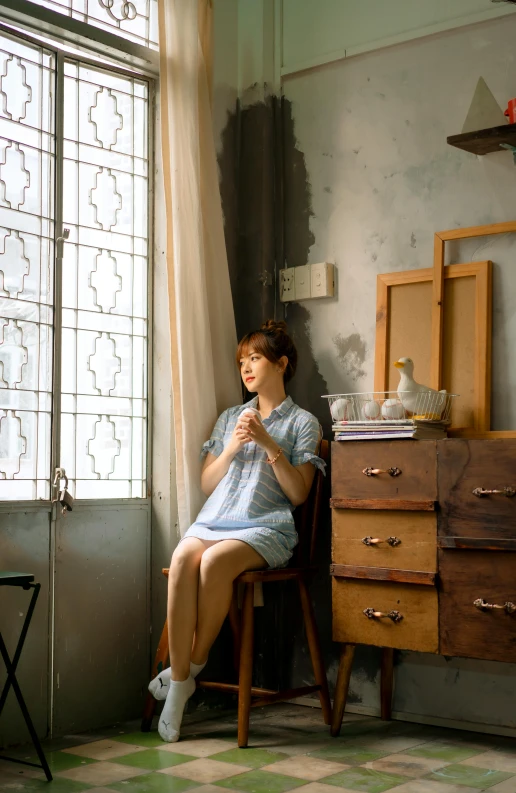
484 111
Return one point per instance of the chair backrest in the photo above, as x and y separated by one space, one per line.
307 516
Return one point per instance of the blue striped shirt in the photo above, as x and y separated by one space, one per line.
249 495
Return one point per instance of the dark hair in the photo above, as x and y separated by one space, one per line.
273 342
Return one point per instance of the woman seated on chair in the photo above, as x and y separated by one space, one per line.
260 464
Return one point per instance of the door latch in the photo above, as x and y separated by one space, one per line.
63 496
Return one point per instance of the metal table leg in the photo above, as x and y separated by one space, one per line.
12 682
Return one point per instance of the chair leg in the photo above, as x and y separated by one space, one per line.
341 687
234 621
314 645
160 659
386 683
246 666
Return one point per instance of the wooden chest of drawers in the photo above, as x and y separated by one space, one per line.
423 551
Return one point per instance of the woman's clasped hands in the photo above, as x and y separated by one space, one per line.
250 428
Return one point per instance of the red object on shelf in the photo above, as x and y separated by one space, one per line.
511 111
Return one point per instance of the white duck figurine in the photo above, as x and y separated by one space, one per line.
420 400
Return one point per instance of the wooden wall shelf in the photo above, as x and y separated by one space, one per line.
485 141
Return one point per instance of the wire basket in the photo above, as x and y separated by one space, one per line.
390 406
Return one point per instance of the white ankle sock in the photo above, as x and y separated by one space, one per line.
172 713
196 669
161 683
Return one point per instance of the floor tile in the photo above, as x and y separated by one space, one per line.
299 721
260 782
103 750
349 754
391 744
252 758
406 765
295 746
320 787
259 736
270 739
154 760
10 770
62 761
499 744
147 739
479 778
303 767
206 769
102 773
197 747
154 783
429 786
36 786
63 786
509 786
365 779
497 761
96 790
57 761
13 784
449 752
213 789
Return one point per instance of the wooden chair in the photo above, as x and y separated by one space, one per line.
299 570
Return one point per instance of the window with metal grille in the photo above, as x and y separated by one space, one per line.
135 20
74 154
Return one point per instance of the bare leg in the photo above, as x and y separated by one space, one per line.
183 583
220 565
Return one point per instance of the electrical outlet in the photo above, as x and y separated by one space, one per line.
287 285
302 282
322 280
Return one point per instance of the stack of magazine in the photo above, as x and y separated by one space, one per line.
395 429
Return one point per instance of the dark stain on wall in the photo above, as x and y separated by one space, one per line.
247 183
297 192
351 353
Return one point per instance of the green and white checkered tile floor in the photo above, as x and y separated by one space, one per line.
289 749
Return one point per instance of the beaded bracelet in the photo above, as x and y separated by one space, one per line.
275 459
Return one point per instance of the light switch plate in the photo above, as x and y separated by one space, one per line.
287 285
322 278
302 282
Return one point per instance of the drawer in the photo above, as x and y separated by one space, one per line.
418 630
466 630
417 461
464 466
416 533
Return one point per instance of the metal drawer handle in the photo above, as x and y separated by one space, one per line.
483 605
392 541
505 491
377 471
372 614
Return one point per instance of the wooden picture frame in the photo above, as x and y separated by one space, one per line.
405 325
440 239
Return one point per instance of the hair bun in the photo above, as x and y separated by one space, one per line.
276 326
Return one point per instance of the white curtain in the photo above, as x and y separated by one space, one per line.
205 379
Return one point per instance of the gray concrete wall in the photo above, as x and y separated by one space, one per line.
369 137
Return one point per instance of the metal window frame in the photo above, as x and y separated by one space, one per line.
137 72
80 35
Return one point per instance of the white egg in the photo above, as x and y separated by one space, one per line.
339 409
393 409
371 410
